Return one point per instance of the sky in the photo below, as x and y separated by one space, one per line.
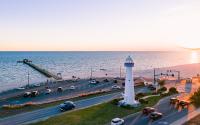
99 25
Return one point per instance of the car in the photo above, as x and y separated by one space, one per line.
34 93
117 121
60 89
116 87
173 100
48 91
151 87
37 85
93 81
27 94
72 88
148 110
183 103
21 88
68 105
155 115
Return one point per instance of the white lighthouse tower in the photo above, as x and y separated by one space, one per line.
129 94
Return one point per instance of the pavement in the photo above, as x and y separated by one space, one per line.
171 114
45 113
52 111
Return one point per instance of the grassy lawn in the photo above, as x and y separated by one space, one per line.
96 115
194 121
10 112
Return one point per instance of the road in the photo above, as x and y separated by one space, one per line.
48 112
170 112
52 111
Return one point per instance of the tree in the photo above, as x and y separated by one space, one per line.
161 82
195 98
173 90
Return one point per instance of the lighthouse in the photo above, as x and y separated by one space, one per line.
129 94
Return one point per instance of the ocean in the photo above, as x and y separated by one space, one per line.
79 64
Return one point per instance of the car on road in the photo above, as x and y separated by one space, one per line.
93 81
68 105
155 115
173 100
60 89
148 110
152 87
27 94
183 103
34 93
117 121
48 91
72 87
116 87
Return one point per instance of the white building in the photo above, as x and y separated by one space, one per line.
129 94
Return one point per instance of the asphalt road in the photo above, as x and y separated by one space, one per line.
48 112
170 112
52 111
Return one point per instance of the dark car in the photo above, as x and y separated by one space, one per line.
151 87
183 103
68 105
60 89
148 110
34 93
155 115
173 100
27 94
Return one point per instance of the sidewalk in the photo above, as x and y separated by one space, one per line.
186 118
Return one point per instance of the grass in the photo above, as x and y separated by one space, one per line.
193 121
96 115
11 112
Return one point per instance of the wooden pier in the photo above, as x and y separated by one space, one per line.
41 70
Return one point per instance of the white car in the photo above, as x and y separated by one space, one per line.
116 87
48 91
117 121
93 81
72 88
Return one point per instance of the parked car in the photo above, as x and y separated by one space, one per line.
116 87
60 89
48 91
34 93
27 94
72 88
117 121
173 100
155 115
148 110
68 105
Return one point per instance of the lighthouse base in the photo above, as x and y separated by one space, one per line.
134 104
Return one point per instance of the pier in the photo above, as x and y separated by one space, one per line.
41 70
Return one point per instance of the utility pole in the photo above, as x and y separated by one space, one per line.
28 79
91 74
120 72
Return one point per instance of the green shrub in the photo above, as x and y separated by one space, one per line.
161 82
143 101
195 98
139 95
173 90
163 89
116 101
